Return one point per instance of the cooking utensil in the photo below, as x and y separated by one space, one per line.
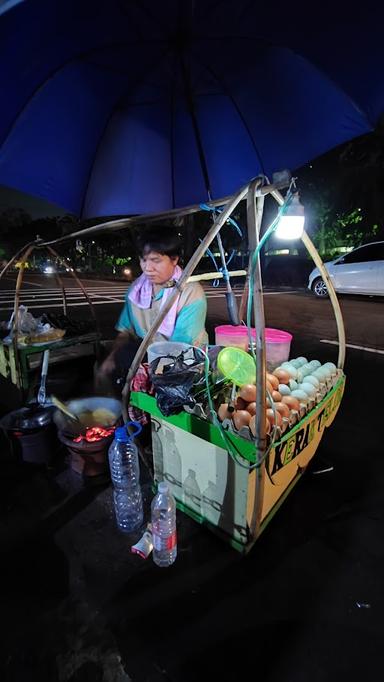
41 396
61 406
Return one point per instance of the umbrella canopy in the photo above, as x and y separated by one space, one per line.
131 107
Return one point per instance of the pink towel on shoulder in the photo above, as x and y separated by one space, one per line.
141 295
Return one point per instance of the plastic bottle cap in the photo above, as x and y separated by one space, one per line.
121 434
163 487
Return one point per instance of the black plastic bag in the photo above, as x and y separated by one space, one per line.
175 387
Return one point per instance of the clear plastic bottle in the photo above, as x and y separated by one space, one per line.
125 475
163 519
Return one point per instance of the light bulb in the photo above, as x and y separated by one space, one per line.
291 223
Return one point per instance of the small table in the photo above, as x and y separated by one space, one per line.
18 369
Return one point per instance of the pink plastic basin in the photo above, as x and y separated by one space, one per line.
277 341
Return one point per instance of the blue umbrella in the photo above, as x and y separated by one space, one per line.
132 107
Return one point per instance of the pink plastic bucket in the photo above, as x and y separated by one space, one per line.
277 341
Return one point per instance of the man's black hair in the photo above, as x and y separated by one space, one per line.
162 240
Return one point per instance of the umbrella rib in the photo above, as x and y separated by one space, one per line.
192 112
172 135
237 108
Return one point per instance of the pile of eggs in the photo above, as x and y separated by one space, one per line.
294 388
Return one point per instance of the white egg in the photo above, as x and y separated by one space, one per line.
301 395
327 371
309 389
331 366
320 374
315 364
284 389
292 371
301 374
293 384
312 380
302 360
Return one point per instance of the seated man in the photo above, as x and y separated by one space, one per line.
159 256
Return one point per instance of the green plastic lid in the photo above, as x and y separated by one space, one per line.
237 366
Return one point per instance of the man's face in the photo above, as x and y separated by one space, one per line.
158 267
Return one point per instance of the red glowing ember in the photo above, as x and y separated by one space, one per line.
94 433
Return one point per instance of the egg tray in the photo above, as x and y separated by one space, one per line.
227 424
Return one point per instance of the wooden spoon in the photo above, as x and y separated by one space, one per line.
65 409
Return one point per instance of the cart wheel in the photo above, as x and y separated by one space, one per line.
319 288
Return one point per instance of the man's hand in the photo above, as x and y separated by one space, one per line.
108 366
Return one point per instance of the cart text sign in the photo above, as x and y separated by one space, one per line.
290 448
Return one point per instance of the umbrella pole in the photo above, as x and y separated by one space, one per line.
188 270
244 296
254 218
229 295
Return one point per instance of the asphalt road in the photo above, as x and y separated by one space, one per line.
305 604
309 320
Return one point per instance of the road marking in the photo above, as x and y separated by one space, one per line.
351 345
33 284
60 305
265 293
110 298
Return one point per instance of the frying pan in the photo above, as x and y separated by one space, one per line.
72 429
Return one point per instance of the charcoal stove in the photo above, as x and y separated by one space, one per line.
88 454
88 447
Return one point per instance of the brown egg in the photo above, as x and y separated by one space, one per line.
291 401
240 403
276 396
252 426
223 412
251 408
241 418
273 381
248 393
282 375
271 417
283 409
269 386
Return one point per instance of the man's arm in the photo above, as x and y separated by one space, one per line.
109 364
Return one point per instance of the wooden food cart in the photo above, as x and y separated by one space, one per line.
236 501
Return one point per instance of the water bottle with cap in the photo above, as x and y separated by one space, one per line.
163 519
125 475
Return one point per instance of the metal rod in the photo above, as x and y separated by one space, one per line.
331 289
215 275
188 270
123 223
254 218
15 326
244 297
10 262
233 312
61 285
93 313
332 295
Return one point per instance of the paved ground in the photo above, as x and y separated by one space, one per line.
305 604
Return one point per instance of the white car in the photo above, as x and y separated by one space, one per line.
360 271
